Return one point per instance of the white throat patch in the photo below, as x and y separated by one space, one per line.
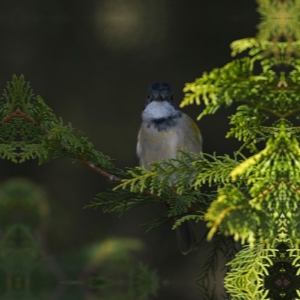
158 110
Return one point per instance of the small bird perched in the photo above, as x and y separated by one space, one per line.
163 132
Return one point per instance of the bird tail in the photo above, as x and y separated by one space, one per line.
186 237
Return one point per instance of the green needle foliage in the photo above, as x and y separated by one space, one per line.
248 270
254 199
140 284
30 130
257 200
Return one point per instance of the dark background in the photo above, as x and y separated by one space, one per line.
92 62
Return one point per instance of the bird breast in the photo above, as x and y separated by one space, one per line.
155 144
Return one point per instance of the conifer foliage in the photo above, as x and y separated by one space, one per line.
254 198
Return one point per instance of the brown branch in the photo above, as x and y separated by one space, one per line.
294 188
100 171
20 114
290 113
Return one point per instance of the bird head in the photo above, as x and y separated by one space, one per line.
159 92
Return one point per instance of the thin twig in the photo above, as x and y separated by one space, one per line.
20 114
100 171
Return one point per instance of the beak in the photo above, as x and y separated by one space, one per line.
159 98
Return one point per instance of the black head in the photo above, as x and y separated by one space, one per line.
160 91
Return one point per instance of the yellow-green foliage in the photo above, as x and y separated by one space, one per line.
255 199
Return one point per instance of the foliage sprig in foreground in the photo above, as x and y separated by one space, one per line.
253 198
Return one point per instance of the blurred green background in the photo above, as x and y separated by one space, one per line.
92 61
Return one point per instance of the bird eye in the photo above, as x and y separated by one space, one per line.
149 99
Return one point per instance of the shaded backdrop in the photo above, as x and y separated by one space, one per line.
92 62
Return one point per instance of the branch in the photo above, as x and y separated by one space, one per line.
100 171
20 114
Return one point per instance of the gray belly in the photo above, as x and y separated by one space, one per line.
154 145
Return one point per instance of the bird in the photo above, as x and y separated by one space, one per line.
165 130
